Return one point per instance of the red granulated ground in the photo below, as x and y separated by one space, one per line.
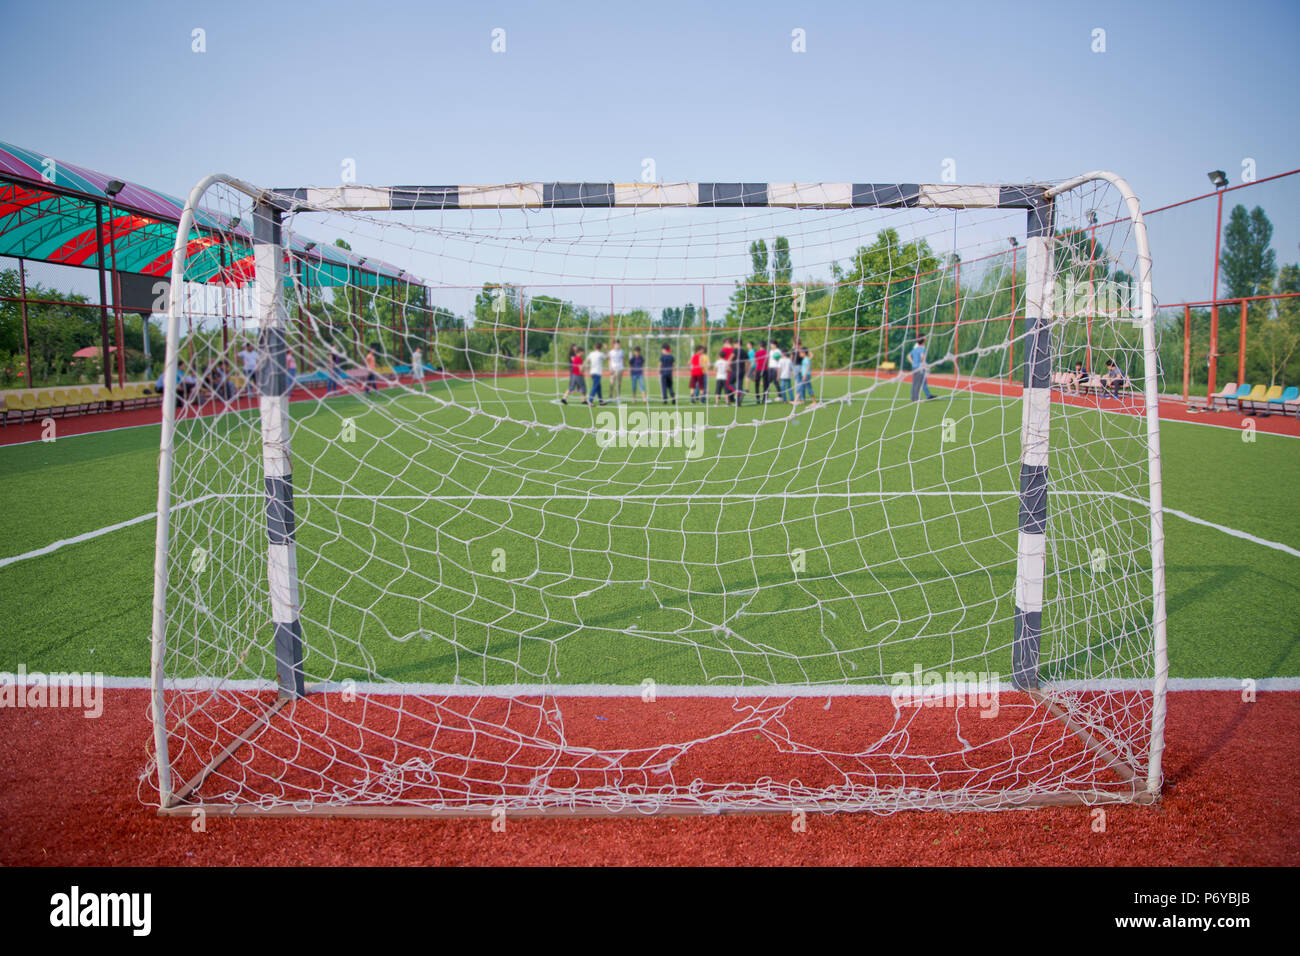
481 751
68 795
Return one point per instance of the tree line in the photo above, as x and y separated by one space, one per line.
865 313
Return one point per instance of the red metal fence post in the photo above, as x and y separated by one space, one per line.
1241 347
1214 347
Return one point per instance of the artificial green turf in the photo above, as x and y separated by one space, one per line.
399 581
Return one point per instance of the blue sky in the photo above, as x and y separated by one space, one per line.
885 92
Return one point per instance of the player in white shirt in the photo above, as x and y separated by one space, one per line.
615 370
417 365
784 372
248 359
720 379
596 365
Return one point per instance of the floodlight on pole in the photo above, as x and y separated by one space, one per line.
1220 179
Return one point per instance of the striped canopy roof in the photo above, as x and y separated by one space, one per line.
48 213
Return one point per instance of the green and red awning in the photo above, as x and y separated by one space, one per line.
49 212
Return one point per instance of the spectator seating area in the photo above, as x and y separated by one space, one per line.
86 399
1091 384
82 400
1258 399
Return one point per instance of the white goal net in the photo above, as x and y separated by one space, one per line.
708 497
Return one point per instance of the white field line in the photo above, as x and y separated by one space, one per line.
100 532
1231 428
76 539
730 691
1277 546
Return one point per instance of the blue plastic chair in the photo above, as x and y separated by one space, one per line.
1291 397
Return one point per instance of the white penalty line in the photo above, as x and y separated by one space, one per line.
718 691
77 539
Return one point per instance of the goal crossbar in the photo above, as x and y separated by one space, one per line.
583 195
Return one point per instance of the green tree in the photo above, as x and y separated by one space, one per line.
763 304
877 295
1247 264
1275 344
56 327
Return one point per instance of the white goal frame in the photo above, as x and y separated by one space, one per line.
282 584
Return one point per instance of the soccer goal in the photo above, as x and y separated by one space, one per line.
909 554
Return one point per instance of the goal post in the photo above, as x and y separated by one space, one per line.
339 623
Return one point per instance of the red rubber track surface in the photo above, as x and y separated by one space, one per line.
69 795
478 751
1132 405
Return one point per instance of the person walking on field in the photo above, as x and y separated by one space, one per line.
615 370
666 364
739 365
919 370
577 384
372 378
805 378
248 359
760 374
636 365
335 381
784 372
699 380
720 374
596 363
773 366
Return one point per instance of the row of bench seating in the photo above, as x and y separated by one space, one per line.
1094 382
64 402
1253 399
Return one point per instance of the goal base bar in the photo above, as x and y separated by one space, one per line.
986 802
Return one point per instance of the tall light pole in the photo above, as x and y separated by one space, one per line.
111 190
1220 179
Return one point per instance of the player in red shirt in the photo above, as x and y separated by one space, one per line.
699 380
760 373
576 382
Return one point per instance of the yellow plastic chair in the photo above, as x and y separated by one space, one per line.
1274 394
1257 395
13 406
